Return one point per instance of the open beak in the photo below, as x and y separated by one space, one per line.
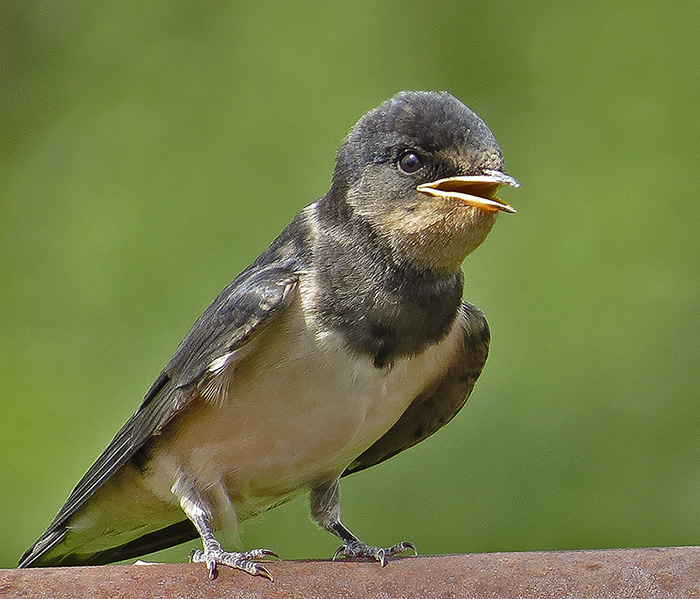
475 190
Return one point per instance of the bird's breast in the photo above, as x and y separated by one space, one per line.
298 409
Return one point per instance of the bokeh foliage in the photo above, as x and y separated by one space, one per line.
150 150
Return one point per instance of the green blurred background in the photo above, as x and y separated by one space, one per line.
150 150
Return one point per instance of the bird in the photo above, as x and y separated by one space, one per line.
344 343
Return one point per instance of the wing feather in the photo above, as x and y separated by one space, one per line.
240 311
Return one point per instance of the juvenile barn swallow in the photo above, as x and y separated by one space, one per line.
341 345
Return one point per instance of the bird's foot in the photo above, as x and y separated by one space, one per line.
359 549
238 560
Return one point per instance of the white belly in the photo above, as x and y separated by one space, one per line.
299 409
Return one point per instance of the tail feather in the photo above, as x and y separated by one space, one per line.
33 556
41 555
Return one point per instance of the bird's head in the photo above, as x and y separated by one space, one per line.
423 170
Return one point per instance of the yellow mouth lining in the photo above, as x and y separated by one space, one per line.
477 190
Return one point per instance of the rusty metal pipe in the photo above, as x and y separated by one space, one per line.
658 573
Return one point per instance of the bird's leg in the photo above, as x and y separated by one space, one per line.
325 511
212 554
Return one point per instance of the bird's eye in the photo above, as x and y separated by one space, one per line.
410 162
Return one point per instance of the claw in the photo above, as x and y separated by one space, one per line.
339 551
403 546
264 572
238 561
380 554
211 567
262 553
